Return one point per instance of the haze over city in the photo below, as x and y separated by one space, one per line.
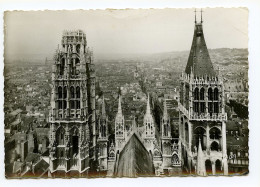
123 31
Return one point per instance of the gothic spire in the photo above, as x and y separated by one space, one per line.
200 162
103 106
119 111
195 11
165 113
199 60
201 15
148 110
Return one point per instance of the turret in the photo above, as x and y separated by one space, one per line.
201 170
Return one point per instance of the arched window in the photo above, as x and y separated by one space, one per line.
196 107
186 132
165 130
64 104
175 159
60 133
75 144
59 92
210 105
214 133
59 104
202 92
72 92
214 146
62 66
210 94
77 66
216 107
77 92
77 104
196 94
218 166
74 135
215 94
72 105
200 134
202 107
208 166
78 48
65 92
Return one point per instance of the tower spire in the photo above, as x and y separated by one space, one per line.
165 113
200 163
201 15
148 105
195 11
103 106
119 105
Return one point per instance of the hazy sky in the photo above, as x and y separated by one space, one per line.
124 31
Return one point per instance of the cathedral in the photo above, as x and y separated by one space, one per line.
79 136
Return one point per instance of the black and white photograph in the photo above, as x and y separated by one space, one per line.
126 93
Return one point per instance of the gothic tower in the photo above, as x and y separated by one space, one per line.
202 112
166 137
149 131
103 138
119 127
69 114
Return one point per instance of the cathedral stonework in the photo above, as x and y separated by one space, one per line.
72 112
202 116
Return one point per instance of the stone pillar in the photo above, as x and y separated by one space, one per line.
190 100
51 165
206 101
213 168
224 144
180 132
65 164
208 138
190 135
224 148
74 48
183 131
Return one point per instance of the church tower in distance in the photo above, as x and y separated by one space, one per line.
72 111
202 112
103 138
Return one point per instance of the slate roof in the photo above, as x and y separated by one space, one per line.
199 59
134 160
41 168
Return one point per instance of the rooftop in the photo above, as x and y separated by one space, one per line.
199 60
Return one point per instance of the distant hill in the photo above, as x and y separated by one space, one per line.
223 53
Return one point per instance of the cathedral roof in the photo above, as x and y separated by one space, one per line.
134 160
199 61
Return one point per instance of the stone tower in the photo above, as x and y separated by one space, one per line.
72 112
119 127
103 138
149 131
166 137
202 112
